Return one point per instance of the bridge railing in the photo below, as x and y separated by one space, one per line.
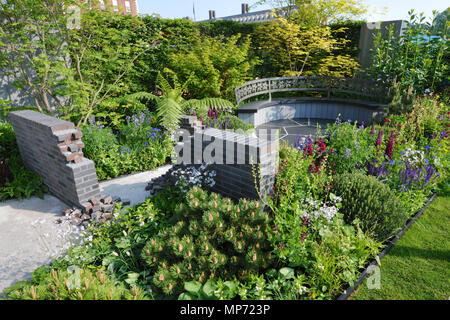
364 88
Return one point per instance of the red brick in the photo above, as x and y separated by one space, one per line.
61 127
70 156
94 201
77 135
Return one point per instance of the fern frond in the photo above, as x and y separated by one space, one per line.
142 96
204 104
163 83
170 112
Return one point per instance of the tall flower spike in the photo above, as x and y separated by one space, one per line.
390 146
372 132
379 139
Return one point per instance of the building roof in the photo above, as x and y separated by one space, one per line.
251 17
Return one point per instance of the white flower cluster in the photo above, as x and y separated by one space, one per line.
191 176
315 209
65 233
415 158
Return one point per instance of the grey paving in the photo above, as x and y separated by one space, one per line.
290 130
29 236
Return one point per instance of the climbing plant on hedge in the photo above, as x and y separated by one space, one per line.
209 237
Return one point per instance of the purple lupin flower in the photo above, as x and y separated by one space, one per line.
201 119
227 122
372 132
390 145
216 113
379 139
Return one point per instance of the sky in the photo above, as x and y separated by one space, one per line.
396 9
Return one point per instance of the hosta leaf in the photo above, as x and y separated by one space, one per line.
193 287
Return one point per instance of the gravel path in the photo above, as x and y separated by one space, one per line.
29 236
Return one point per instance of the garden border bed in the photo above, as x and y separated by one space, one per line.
349 290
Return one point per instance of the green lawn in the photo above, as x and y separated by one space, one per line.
418 267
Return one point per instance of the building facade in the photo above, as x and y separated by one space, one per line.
251 17
120 6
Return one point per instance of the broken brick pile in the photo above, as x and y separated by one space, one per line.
52 148
97 210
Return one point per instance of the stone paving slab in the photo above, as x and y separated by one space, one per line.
29 235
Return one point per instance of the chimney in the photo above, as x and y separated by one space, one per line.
245 8
212 14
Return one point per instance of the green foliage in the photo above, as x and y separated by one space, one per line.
339 254
299 50
350 146
76 285
25 183
214 66
135 147
105 53
370 202
170 105
417 59
313 12
208 237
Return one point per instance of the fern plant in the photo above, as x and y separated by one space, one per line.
171 105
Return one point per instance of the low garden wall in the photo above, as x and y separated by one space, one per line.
53 149
260 112
245 166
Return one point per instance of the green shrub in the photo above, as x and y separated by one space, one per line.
371 202
76 285
209 237
25 183
136 147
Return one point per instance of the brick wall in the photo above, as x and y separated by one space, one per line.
53 149
245 165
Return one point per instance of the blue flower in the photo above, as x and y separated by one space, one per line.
427 91
146 143
426 161
156 129
348 153
391 162
427 147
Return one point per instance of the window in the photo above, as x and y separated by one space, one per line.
127 6
115 5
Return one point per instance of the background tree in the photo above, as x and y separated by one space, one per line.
215 66
305 50
34 49
309 12
64 70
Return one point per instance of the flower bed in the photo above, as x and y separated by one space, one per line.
335 203
136 145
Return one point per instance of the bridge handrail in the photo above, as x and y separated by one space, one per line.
360 87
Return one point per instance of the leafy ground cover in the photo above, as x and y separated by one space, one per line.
418 267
